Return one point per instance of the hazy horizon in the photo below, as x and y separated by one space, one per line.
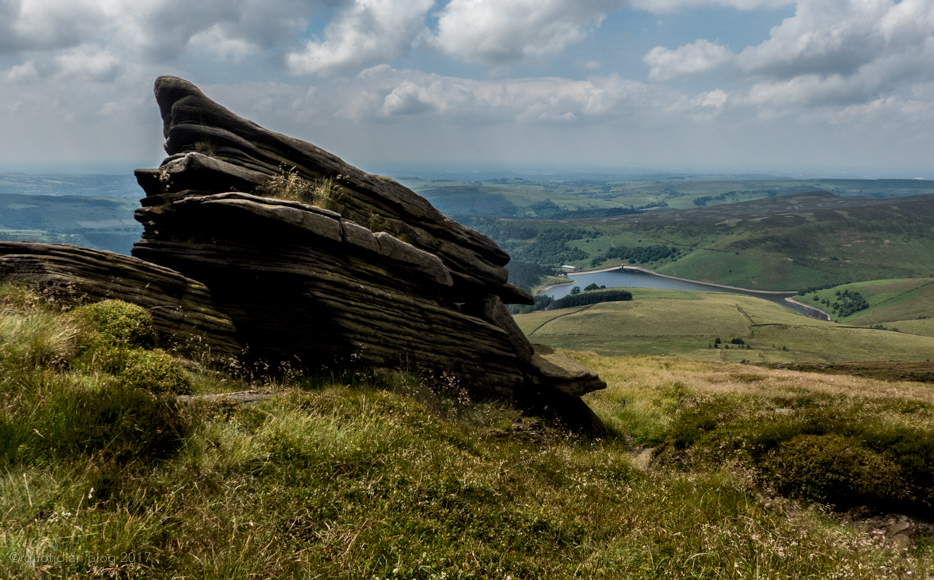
458 172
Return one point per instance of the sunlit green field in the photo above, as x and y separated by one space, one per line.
688 323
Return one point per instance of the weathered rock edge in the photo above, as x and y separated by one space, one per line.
212 150
377 274
182 310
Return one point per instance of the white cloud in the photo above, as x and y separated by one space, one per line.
83 63
87 63
884 111
497 31
698 57
76 78
215 41
153 29
668 6
163 29
382 93
824 37
46 24
830 53
364 32
842 52
23 73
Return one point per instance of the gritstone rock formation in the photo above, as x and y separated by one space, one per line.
181 308
318 263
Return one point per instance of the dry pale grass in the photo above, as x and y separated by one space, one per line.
715 378
291 186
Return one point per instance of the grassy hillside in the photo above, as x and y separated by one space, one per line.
780 243
673 322
906 304
108 474
808 240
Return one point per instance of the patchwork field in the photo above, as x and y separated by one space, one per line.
668 322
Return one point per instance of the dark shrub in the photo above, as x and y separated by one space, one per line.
837 470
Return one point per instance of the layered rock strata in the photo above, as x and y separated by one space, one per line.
182 309
365 269
212 150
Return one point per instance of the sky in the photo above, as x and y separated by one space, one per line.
807 88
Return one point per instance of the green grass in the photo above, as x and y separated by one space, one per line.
905 304
798 242
659 322
837 440
781 243
371 475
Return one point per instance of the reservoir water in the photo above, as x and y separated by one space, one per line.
632 278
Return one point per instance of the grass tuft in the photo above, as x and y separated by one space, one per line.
290 186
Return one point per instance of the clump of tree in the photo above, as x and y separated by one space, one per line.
499 230
637 255
737 342
526 275
818 288
843 303
574 299
848 302
527 242
550 247
580 214
702 201
545 209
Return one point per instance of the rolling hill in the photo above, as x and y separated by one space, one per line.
669 322
541 196
905 304
780 243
